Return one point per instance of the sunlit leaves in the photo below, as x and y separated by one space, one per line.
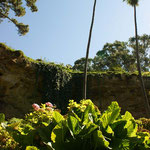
83 127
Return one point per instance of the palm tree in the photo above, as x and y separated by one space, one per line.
87 51
134 3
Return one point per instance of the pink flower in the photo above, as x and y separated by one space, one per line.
49 104
36 106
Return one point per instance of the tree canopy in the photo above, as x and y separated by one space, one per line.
18 7
80 64
132 2
119 55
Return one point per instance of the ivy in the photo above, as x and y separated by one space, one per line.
55 83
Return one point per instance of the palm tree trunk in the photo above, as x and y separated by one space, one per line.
87 52
146 101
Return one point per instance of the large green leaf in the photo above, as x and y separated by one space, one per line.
44 133
127 116
110 115
132 128
58 137
87 129
57 134
99 140
131 125
118 128
87 115
57 117
73 125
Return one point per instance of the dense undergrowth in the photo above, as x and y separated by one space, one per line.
84 127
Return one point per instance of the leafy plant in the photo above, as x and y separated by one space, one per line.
83 127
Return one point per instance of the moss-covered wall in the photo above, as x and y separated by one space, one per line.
24 81
121 87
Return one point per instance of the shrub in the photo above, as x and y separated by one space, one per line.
83 127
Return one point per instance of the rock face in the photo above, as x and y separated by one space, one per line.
17 83
20 88
123 88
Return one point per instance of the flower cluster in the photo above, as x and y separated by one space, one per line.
49 104
36 107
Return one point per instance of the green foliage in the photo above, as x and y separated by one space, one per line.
119 56
55 83
19 9
6 139
80 64
83 127
143 46
31 148
132 2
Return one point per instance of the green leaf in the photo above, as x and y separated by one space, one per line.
91 113
31 148
110 115
88 129
87 115
99 140
2 117
73 125
127 116
58 132
57 116
57 135
44 133
109 130
132 128
118 128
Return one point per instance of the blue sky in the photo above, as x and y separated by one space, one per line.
59 30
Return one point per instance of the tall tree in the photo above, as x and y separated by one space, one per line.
19 9
134 3
87 51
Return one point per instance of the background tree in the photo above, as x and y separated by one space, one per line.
87 51
18 7
134 3
114 56
119 56
144 49
80 64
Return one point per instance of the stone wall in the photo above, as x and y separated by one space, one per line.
19 87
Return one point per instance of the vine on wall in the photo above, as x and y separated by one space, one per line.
56 85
